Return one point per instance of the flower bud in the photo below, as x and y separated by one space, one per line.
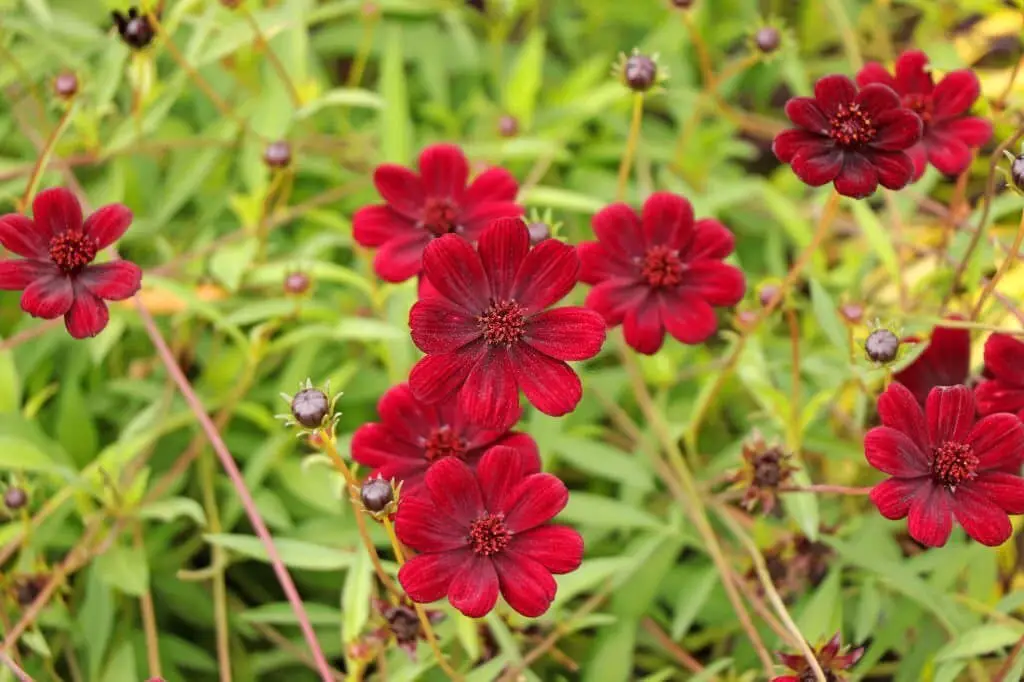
15 498
296 283
640 73
508 126
376 494
768 39
134 28
768 293
310 406
65 85
853 313
538 232
278 154
683 4
882 346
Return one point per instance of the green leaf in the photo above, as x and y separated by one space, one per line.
523 84
822 614
230 263
21 455
597 511
173 508
75 428
355 597
125 569
827 318
10 382
294 553
983 639
877 236
122 664
803 507
692 600
612 657
560 199
342 97
396 145
282 613
603 461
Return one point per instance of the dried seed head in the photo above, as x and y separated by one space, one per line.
882 346
15 498
376 494
310 407
640 73
27 588
278 154
508 126
768 39
538 232
65 85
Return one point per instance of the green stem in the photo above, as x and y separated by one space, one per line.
44 158
631 142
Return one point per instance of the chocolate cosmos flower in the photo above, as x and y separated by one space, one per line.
57 274
413 436
854 139
1004 391
945 362
484 533
949 133
943 465
487 332
832 658
436 202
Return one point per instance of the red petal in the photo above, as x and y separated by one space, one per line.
898 129
503 247
948 154
818 166
374 445
375 225
501 469
421 526
426 577
945 362
401 189
618 229
858 178
455 492
557 548
711 240
455 271
437 377
998 396
55 211
405 416
688 318
526 585
549 384
831 648
614 298
955 94
566 333
546 276
997 440
875 73
108 224
114 281
715 282
1004 358
911 76
804 112
1004 490
895 453
898 409
443 171
88 315
439 326
876 100
893 496
919 157
667 219
474 590
476 219
493 185
931 516
789 143
643 328
895 169
535 500
523 443
19 235
950 414
972 131
832 92
401 257
981 518
15 275
598 264
48 296
490 397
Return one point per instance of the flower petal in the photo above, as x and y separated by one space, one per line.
535 500
566 333
474 590
832 92
525 584
643 327
1004 490
804 112
875 99
818 167
997 440
711 240
911 76
375 446
19 235
667 219
401 257
971 130
899 409
476 219
114 281
547 275
107 224
715 282
426 577
437 377
48 296
88 315
895 169
455 492
490 397
874 72
955 93
597 263
950 414
789 143
687 317
898 129
401 189
893 496
439 326
557 548
500 470
420 525
1004 358
503 247
17 274
945 362
493 185
895 453
454 269
948 154
996 396
858 178
981 518
55 211
443 171
403 415
549 384
376 225
930 520
618 229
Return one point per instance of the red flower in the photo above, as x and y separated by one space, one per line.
478 534
486 330
659 271
436 202
855 139
57 274
413 436
948 132
944 465
1004 390
945 362
829 659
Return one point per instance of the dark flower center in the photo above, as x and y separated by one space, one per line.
662 267
503 323
488 534
920 105
954 463
443 442
72 250
440 216
768 470
851 126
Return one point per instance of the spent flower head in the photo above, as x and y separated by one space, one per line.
765 469
312 409
832 657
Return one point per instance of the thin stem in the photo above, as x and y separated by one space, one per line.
794 406
677 652
14 668
631 142
43 159
703 56
898 232
846 33
825 488
148 618
275 63
355 75
428 629
1004 267
218 562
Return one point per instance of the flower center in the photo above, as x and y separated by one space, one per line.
488 534
768 470
954 463
443 442
503 323
439 216
851 126
404 623
662 267
72 250
920 105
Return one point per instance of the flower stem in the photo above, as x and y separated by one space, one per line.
428 629
275 63
631 141
1011 258
43 159
825 488
846 33
794 407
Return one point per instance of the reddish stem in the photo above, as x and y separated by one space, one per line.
825 488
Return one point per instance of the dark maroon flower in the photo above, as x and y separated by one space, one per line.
945 362
402 624
1004 390
943 465
487 331
487 532
659 271
830 659
436 202
57 274
948 132
854 139
412 436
